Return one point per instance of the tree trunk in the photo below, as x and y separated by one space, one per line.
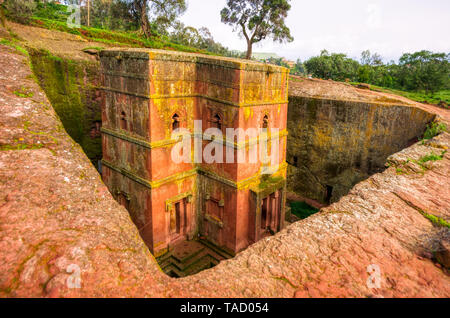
2 15
144 20
88 13
109 19
249 50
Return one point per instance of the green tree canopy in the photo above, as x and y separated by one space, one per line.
420 71
19 10
299 68
334 66
371 59
424 70
258 20
162 13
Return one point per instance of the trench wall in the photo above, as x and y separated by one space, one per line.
335 144
72 88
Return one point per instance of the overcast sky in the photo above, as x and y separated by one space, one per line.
388 27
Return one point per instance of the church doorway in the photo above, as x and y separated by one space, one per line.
270 214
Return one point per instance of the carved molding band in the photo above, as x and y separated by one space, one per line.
187 174
168 142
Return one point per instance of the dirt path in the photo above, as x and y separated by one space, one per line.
299 86
58 43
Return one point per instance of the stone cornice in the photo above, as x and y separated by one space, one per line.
169 142
203 59
188 174
217 100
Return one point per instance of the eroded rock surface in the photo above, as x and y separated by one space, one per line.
335 144
54 209
56 215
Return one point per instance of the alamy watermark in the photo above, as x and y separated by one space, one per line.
74 280
74 19
252 146
374 279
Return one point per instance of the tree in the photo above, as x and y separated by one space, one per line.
139 9
419 71
371 59
108 14
201 39
20 10
88 12
299 68
120 17
186 35
162 12
373 70
333 66
258 20
424 70
2 14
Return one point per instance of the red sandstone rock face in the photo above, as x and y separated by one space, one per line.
55 211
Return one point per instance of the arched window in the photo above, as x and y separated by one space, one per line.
175 122
123 121
96 129
217 122
265 122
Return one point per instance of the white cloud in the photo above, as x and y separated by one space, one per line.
374 16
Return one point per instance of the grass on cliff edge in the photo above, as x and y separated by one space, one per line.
54 17
420 97
117 38
13 44
433 130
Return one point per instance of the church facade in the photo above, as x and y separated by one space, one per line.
150 94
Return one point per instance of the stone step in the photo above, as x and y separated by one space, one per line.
205 262
199 265
220 251
185 265
200 262
189 257
171 257
174 272
165 264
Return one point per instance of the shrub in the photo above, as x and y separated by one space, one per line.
433 130
20 10
53 11
432 157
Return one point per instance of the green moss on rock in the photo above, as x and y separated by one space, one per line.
302 210
71 88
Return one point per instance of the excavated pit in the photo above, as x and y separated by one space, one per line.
70 79
72 88
335 144
332 144
56 215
